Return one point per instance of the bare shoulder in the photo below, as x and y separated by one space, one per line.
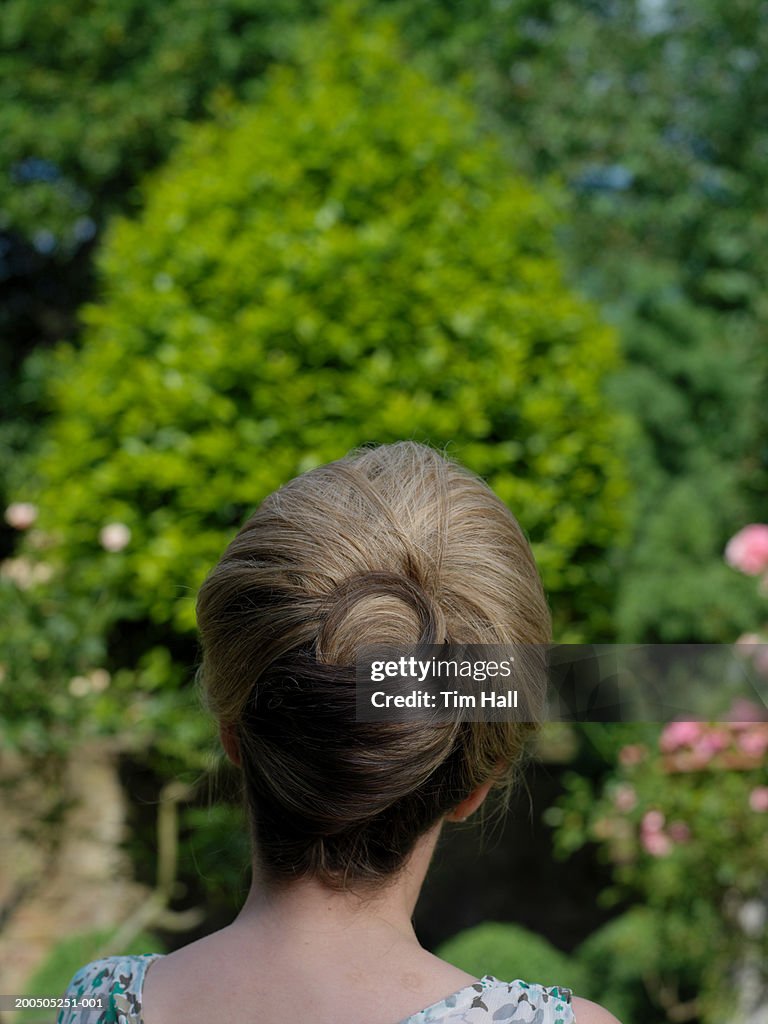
587 1012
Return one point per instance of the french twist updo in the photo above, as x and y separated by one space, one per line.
389 545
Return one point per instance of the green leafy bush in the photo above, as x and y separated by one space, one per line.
625 959
509 952
349 260
64 675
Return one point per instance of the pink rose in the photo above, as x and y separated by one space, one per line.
624 798
679 734
747 551
653 821
755 741
21 514
679 832
633 753
656 843
711 743
758 799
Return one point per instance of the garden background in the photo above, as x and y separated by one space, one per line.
239 238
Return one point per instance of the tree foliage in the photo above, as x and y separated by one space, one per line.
652 115
655 118
91 95
348 260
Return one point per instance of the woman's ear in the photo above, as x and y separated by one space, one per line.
468 806
228 736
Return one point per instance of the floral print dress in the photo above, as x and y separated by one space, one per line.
115 984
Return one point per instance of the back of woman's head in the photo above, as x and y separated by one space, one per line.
391 545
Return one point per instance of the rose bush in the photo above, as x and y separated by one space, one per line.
682 815
684 821
748 550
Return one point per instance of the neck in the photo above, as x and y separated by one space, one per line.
307 907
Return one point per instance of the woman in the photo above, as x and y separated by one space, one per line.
389 545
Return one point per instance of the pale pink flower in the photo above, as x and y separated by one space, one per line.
114 536
656 843
21 514
679 832
24 573
79 686
679 734
99 679
747 551
711 743
653 821
755 741
758 799
633 753
624 797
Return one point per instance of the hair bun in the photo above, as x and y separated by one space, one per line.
395 546
377 607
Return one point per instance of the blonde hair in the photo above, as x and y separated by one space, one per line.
395 544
